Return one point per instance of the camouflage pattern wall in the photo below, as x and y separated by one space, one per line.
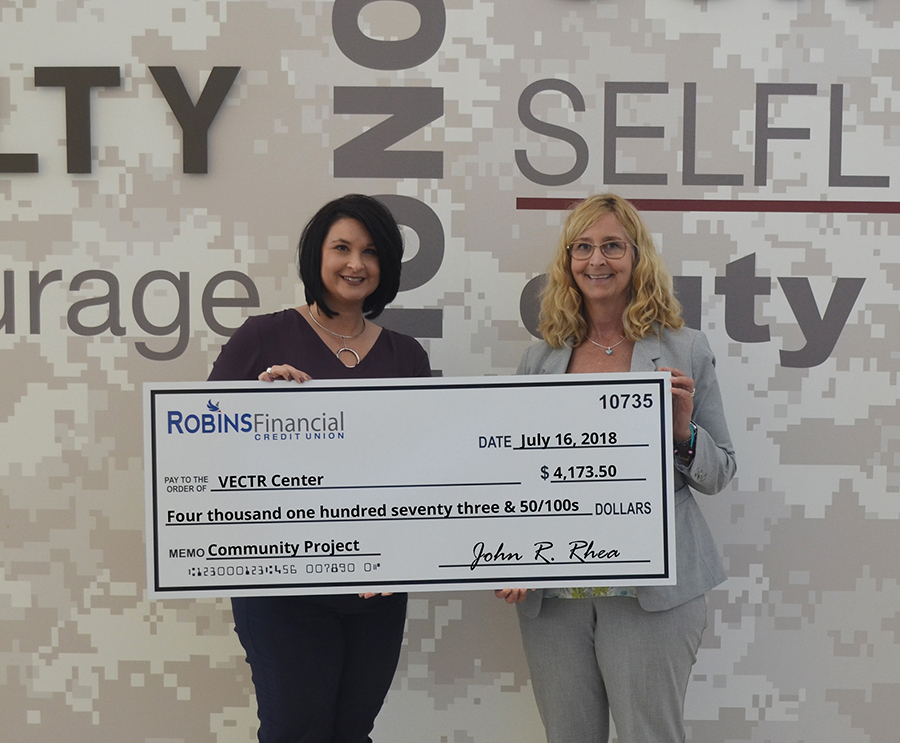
157 162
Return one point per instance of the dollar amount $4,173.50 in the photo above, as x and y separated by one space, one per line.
579 473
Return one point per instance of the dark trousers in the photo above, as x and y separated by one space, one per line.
322 665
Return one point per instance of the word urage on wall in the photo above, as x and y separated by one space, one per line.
155 294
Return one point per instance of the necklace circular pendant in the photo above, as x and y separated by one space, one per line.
607 349
350 351
344 339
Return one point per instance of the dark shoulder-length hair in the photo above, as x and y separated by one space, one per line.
381 226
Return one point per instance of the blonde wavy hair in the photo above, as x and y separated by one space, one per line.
651 302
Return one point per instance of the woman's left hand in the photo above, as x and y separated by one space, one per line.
370 595
682 403
283 371
511 595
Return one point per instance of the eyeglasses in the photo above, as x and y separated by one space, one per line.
582 251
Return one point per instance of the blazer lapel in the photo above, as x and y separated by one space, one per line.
557 361
646 354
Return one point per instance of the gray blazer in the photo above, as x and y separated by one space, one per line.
698 564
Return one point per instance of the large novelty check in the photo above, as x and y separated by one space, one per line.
414 484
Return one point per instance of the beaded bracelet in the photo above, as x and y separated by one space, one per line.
684 450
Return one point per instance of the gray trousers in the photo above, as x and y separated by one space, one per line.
592 657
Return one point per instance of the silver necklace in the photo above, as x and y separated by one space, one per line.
609 349
344 338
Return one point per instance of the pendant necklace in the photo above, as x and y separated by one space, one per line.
609 349
344 338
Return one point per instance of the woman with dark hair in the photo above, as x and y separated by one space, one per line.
322 665
594 651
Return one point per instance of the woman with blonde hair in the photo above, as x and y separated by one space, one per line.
626 652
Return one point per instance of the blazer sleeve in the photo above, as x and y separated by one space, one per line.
714 464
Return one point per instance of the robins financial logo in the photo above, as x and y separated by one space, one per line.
262 426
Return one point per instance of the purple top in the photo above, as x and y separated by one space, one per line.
287 338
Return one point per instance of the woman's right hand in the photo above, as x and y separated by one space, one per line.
511 595
284 371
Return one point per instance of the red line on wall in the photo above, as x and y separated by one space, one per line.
727 205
